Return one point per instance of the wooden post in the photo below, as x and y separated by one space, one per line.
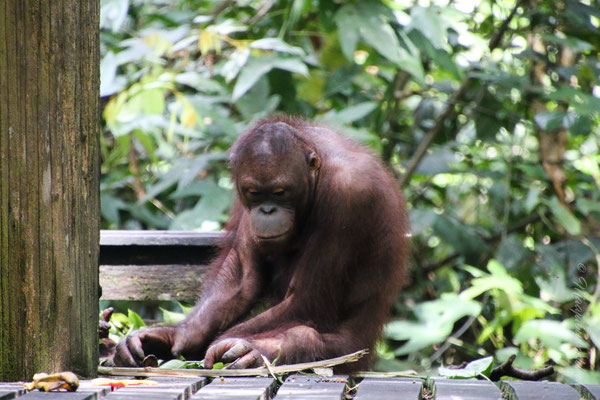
49 187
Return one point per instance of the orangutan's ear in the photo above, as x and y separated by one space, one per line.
314 161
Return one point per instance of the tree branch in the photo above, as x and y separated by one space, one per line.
507 369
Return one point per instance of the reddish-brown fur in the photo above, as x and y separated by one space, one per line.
328 293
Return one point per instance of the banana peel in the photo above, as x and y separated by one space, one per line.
48 382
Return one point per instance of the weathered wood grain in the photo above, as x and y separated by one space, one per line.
236 389
452 389
99 391
37 395
151 282
388 389
303 387
167 389
542 390
49 187
312 387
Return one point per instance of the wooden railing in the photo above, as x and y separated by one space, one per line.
154 265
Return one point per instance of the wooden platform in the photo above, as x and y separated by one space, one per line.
313 387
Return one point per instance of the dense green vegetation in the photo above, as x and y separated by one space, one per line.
487 111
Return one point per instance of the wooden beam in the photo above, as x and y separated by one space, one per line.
151 282
49 187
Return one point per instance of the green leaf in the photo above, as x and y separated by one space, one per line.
311 89
438 55
418 335
564 216
533 198
257 102
213 204
135 320
371 20
551 333
487 116
380 35
255 68
182 173
580 376
113 14
555 286
549 120
462 237
276 44
110 207
592 328
199 82
110 83
348 23
170 317
185 309
182 364
474 369
235 63
575 44
437 162
435 320
429 21
173 364
421 219
512 253
227 27
153 101
498 279
587 206
578 124
351 113
579 100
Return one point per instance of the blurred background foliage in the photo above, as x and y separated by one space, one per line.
486 111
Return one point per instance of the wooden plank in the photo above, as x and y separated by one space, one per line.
312 387
16 388
151 282
168 388
119 395
236 389
190 385
98 392
86 390
187 386
87 387
37 395
542 390
158 238
5 395
388 389
158 247
454 389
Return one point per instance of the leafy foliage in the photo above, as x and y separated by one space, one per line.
498 112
